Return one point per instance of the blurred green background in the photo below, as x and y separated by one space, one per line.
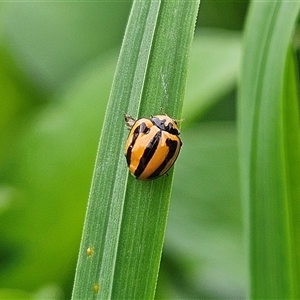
57 62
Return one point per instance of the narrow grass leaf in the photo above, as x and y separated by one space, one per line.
125 220
268 123
292 162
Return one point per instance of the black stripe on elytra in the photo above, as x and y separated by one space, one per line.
148 154
172 149
142 128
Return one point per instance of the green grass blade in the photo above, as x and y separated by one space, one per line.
269 140
292 163
125 220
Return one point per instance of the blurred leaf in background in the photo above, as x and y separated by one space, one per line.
57 64
52 41
52 143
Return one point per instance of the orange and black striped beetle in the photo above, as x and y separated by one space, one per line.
152 146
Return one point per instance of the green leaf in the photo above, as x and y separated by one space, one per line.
125 220
269 141
292 163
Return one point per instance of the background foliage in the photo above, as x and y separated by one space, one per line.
57 63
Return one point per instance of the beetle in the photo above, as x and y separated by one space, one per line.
152 146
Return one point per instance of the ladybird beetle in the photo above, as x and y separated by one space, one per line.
152 146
